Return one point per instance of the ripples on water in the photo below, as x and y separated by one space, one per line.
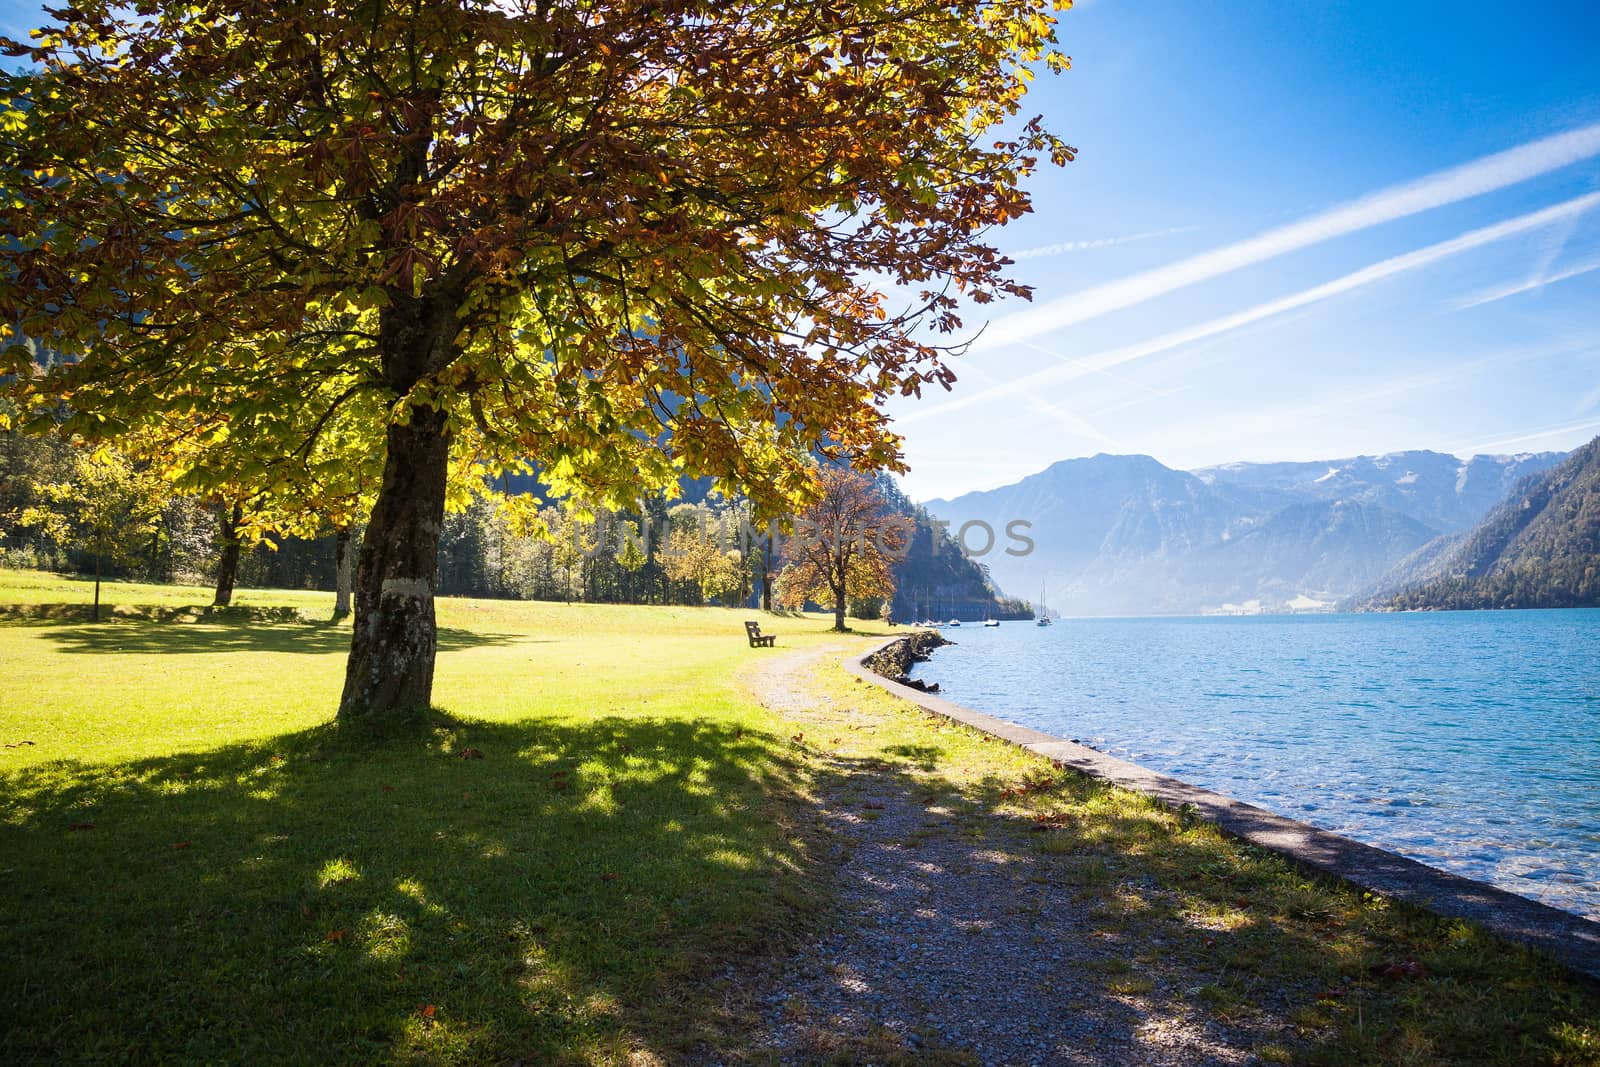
1467 740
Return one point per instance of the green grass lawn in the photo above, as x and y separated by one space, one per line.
194 866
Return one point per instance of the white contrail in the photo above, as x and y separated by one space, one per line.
1064 247
1490 295
1529 435
1366 276
1436 190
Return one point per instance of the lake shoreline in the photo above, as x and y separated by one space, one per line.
1564 936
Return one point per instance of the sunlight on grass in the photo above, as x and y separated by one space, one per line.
166 687
385 936
336 873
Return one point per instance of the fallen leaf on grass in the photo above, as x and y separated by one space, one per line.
19 744
334 936
80 826
469 753
176 845
387 788
610 876
1403 969
427 1011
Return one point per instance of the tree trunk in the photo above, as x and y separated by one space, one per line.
228 565
342 569
97 587
838 609
390 672
766 575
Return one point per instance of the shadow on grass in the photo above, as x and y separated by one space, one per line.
925 757
559 892
227 635
543 897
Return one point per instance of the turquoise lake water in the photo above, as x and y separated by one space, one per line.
1467 740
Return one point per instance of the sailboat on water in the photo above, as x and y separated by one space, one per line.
1044 611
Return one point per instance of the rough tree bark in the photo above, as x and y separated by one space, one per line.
838 608
228 565
389 675
343 569
390 671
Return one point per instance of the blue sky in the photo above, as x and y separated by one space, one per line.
1296 230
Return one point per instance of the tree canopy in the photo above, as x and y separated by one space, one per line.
616 242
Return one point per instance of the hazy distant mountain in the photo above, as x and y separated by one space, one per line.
1127 535
1540 547
1423 565
1438 490
1312 551
1089 508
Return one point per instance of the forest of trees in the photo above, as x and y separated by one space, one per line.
697 549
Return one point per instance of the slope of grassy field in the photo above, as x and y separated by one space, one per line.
603 832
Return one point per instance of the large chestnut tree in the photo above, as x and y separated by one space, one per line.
619 240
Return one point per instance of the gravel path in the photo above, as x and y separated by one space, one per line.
955 947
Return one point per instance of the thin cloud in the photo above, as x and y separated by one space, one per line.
1436 190
1100 361
1589 401
1489 296
1101 242
1075 423
1528 436
1361 399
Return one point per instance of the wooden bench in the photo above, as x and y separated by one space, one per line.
752 630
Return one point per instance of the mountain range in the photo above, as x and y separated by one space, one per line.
1540 547
1125 535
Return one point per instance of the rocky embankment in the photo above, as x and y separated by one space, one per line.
894 661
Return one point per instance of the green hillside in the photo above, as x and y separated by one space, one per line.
1539 548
